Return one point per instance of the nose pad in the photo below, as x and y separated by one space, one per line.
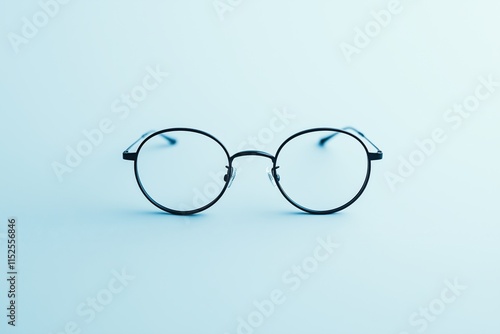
231 174
271 177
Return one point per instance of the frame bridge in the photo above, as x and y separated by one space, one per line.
253 153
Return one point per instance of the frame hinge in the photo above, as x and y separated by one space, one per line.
129 156
376 156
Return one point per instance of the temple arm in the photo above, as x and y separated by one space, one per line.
373 156
127 155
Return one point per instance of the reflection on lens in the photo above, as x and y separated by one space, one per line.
183 174
322 177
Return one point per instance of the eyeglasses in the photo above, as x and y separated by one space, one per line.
184 171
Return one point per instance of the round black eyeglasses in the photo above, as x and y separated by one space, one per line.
184 171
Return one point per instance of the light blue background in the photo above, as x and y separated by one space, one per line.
198 275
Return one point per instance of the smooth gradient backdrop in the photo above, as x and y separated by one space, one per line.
418 252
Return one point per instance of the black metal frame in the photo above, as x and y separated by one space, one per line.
371 156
